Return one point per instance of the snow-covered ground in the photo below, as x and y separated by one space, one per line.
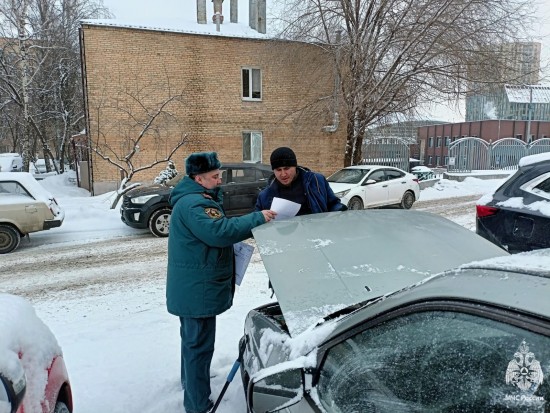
99 286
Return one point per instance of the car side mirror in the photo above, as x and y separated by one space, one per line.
369 182
276 391
12 392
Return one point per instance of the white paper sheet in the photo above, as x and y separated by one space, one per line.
284 208
243 253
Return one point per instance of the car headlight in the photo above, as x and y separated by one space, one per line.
342 194
142 199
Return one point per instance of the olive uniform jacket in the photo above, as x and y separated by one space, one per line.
200 277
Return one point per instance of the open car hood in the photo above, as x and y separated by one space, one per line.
321 263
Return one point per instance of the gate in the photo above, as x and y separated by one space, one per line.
468 154
506 153
539 146
392 151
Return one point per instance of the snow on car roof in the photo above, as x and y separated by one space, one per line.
27 180
24 334
537 262
531 159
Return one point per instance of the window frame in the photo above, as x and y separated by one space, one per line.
261 145
530 186
251 83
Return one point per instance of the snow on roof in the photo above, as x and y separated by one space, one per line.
27 180
182 26
531 159
522 94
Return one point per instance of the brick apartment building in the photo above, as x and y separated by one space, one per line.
434 140
239 96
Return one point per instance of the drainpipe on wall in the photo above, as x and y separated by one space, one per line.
336 119
218 16
201 11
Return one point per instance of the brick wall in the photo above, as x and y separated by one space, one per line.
130 72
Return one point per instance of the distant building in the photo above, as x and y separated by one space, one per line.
436 139
491 100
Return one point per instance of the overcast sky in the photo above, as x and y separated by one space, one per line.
185 10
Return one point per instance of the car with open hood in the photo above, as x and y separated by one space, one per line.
25 207
516 216
148 206
391 310
372 186
32 366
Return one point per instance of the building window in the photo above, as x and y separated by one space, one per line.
430 160
447 141
252 83
520 137
437 159
252 146
439 141
431 142
446 160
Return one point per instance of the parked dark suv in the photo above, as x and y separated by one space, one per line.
149 207
517 216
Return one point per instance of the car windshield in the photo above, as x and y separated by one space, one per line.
460 362
348 176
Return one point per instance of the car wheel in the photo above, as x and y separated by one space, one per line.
407 201
355 203
159 223
61 407
9 239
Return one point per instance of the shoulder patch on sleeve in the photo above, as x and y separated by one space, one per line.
213 213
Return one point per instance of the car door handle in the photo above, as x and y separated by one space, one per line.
384 186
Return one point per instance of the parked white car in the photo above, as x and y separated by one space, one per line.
25 207
369 186
11 162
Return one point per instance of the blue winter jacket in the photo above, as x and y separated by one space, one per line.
200 276
319 195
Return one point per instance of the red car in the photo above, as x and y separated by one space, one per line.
28 343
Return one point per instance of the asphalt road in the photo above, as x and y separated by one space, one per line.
93 267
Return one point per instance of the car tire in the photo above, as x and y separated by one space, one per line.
159 223
356 203
9 239
407 201
61 407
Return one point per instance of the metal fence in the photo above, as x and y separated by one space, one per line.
388 151
469 154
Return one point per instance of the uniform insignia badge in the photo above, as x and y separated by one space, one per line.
213 213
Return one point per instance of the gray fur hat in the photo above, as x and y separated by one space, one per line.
201 162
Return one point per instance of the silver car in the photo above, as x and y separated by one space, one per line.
396 311
370 186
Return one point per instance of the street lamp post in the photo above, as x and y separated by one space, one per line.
529 108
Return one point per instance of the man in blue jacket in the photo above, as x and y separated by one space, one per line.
298 184
201 278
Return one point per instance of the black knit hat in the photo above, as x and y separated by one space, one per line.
201 162
283 156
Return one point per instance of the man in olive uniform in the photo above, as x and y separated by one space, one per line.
201 278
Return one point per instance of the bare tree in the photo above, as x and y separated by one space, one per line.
40 72
137 128
393 55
